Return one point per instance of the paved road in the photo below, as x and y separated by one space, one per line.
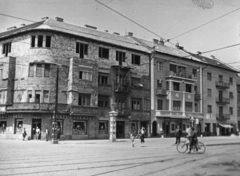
100 157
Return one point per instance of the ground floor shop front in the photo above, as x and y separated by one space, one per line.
71 127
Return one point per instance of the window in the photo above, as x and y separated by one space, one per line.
48 41
46 96
84 75
146 104
103 101
176 86
47 70
39 70
30 96
184 127
120 57
84 99
18 126
176 105
6 49
159 66
231 95
209 109
136 104
37 96
173 68
102 79
135 59
1 74
103 53
103 127
209 92
146 83
120 103
196 107
33 41
231 80
136 82
188 88
220 78
159 104
209 76
159 83
231 110
40 41
31 70
82 49
194 72
3 126
188 106
79 128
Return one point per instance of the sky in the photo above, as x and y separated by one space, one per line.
166 18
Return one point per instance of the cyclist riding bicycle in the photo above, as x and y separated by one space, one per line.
193 139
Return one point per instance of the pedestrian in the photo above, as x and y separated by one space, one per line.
193 140
142 135
132 138
178 134
37 133
58 133
24 134
47 133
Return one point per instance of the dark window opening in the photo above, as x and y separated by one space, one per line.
47 70
6 49
103 53
82 49
84 99
188 88
135 59
102 79
176 86
48 41
40 41
120 57
33 41
160 105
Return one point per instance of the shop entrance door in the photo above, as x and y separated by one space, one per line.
154 128
36 123
120 129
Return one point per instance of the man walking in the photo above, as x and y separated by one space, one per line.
178 134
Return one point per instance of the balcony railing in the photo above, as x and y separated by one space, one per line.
160 91
122 87
182 75
222 100
223 116
224 85
197 96
32 106
123 111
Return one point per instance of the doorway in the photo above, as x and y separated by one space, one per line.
120 129
36 123
166 128
154 130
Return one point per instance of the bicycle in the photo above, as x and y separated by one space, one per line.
183 146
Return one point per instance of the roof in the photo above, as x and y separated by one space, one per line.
50 24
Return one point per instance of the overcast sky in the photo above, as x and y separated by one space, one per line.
167 18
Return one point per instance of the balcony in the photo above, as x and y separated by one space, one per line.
170 74
197 96
122 87
123 111
223 116
161 92
222 85
221 100
31 107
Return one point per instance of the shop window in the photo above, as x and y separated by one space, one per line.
84 99
6 48
135 59
18 126
82 49
176 105
136 104
3 126
79 128
103 53
103 127
102 79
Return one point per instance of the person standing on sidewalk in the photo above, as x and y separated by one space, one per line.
24 134
37 133
178 134
47 133
132 138
142 135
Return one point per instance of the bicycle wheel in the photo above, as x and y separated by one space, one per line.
182 147
201 147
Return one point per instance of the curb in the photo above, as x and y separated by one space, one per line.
223 144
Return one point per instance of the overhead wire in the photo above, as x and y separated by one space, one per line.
16 17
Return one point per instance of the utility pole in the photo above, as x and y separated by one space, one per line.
54 140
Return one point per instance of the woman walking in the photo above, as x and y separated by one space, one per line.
142 133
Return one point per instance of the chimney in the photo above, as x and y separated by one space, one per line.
161 41
155 41
59 19
22 25
91 27
11 28
130 34
116 33
44 18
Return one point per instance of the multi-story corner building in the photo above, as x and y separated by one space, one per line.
186 85
94 71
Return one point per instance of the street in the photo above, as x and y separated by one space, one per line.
100 157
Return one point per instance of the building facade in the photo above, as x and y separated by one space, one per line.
95 72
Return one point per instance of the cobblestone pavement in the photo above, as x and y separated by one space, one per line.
100 157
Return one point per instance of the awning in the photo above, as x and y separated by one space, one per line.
225 126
